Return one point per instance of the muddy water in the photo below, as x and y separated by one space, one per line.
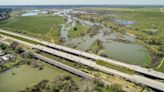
132 52
26 76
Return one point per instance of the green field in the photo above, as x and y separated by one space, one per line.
78 30
145 18
38 26
116 67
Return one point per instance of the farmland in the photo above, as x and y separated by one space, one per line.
38 26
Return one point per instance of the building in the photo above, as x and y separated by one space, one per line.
6 58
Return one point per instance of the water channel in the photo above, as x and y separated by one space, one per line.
132 52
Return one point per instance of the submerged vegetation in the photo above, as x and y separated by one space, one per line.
78 31
130 35
93 30
66 83
146 26
97 46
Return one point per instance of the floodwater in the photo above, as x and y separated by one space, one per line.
131 52
30 14
26 76
124 22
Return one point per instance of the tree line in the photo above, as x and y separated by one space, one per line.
4 13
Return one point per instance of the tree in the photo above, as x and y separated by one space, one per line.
3 46
65 83
87 86
116 88
19 50
28 55
75 28
14 45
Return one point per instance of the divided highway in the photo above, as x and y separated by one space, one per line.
63 66
134 78
136 68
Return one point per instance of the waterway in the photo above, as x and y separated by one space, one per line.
131 52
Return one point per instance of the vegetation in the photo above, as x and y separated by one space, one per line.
78 30
40 26
93 30
19 38
160 67
147 26
14 50
97 46
69 63
35 24
4 13
22 57
116 67
92 17
65 83
93 72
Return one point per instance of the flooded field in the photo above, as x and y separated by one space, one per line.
30 14
123 22
24 76
129 52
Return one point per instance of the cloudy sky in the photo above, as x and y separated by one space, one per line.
80 2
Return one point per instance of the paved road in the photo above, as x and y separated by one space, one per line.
68 68
4 38
63 66
134 78
95 57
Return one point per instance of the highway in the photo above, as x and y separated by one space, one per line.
136 68
63 66
4 38
134 78
73 70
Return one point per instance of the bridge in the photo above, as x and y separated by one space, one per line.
136 68
134 78
63 66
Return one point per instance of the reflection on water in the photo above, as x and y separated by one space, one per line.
30 14
64 32
123 22
130 52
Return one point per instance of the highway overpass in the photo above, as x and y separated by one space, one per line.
63 66
136 68
134 78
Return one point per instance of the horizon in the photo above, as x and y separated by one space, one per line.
79 2
88 5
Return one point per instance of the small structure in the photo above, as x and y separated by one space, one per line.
6 58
